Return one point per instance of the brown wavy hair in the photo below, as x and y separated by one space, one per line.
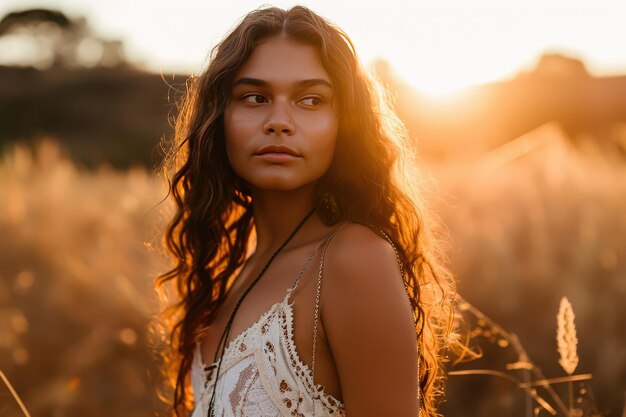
372 178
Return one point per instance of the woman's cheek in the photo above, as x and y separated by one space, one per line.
237 135
328 129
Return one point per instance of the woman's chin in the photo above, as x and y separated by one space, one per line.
279 185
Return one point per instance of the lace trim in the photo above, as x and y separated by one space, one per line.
301 369
249 328
230 356
317 390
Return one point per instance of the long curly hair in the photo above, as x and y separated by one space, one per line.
372 179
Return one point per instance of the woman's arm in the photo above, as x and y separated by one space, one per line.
369 325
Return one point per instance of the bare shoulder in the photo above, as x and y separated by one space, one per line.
359 256
369 325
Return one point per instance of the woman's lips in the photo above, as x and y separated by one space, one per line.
276 157
277 154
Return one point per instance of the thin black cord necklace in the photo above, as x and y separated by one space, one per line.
222 343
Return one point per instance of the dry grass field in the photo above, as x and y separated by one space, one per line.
76 285
527 224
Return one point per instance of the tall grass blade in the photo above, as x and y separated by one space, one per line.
14 394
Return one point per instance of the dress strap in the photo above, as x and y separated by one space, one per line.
310 258
304 267
317 297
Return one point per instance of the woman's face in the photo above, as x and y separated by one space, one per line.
280 123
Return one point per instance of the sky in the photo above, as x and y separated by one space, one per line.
436 45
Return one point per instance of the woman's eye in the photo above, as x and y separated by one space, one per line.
311 101
254 99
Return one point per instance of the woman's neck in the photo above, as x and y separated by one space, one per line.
276 215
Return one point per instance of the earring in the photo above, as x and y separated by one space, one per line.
328 209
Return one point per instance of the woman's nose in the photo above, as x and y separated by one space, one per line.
279 121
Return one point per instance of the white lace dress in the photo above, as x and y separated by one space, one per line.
262 374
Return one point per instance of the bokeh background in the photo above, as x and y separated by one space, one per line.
518 110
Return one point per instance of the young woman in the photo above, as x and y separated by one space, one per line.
308 281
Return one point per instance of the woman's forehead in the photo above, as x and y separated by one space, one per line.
280 60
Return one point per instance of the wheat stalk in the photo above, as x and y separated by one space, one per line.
525 363
566 344
566 337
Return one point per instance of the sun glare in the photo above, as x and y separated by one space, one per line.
442 88
442 84
449 75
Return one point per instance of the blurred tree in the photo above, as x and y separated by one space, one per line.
45 38
560 66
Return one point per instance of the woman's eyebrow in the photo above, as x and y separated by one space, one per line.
315 81
250 81
302 83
